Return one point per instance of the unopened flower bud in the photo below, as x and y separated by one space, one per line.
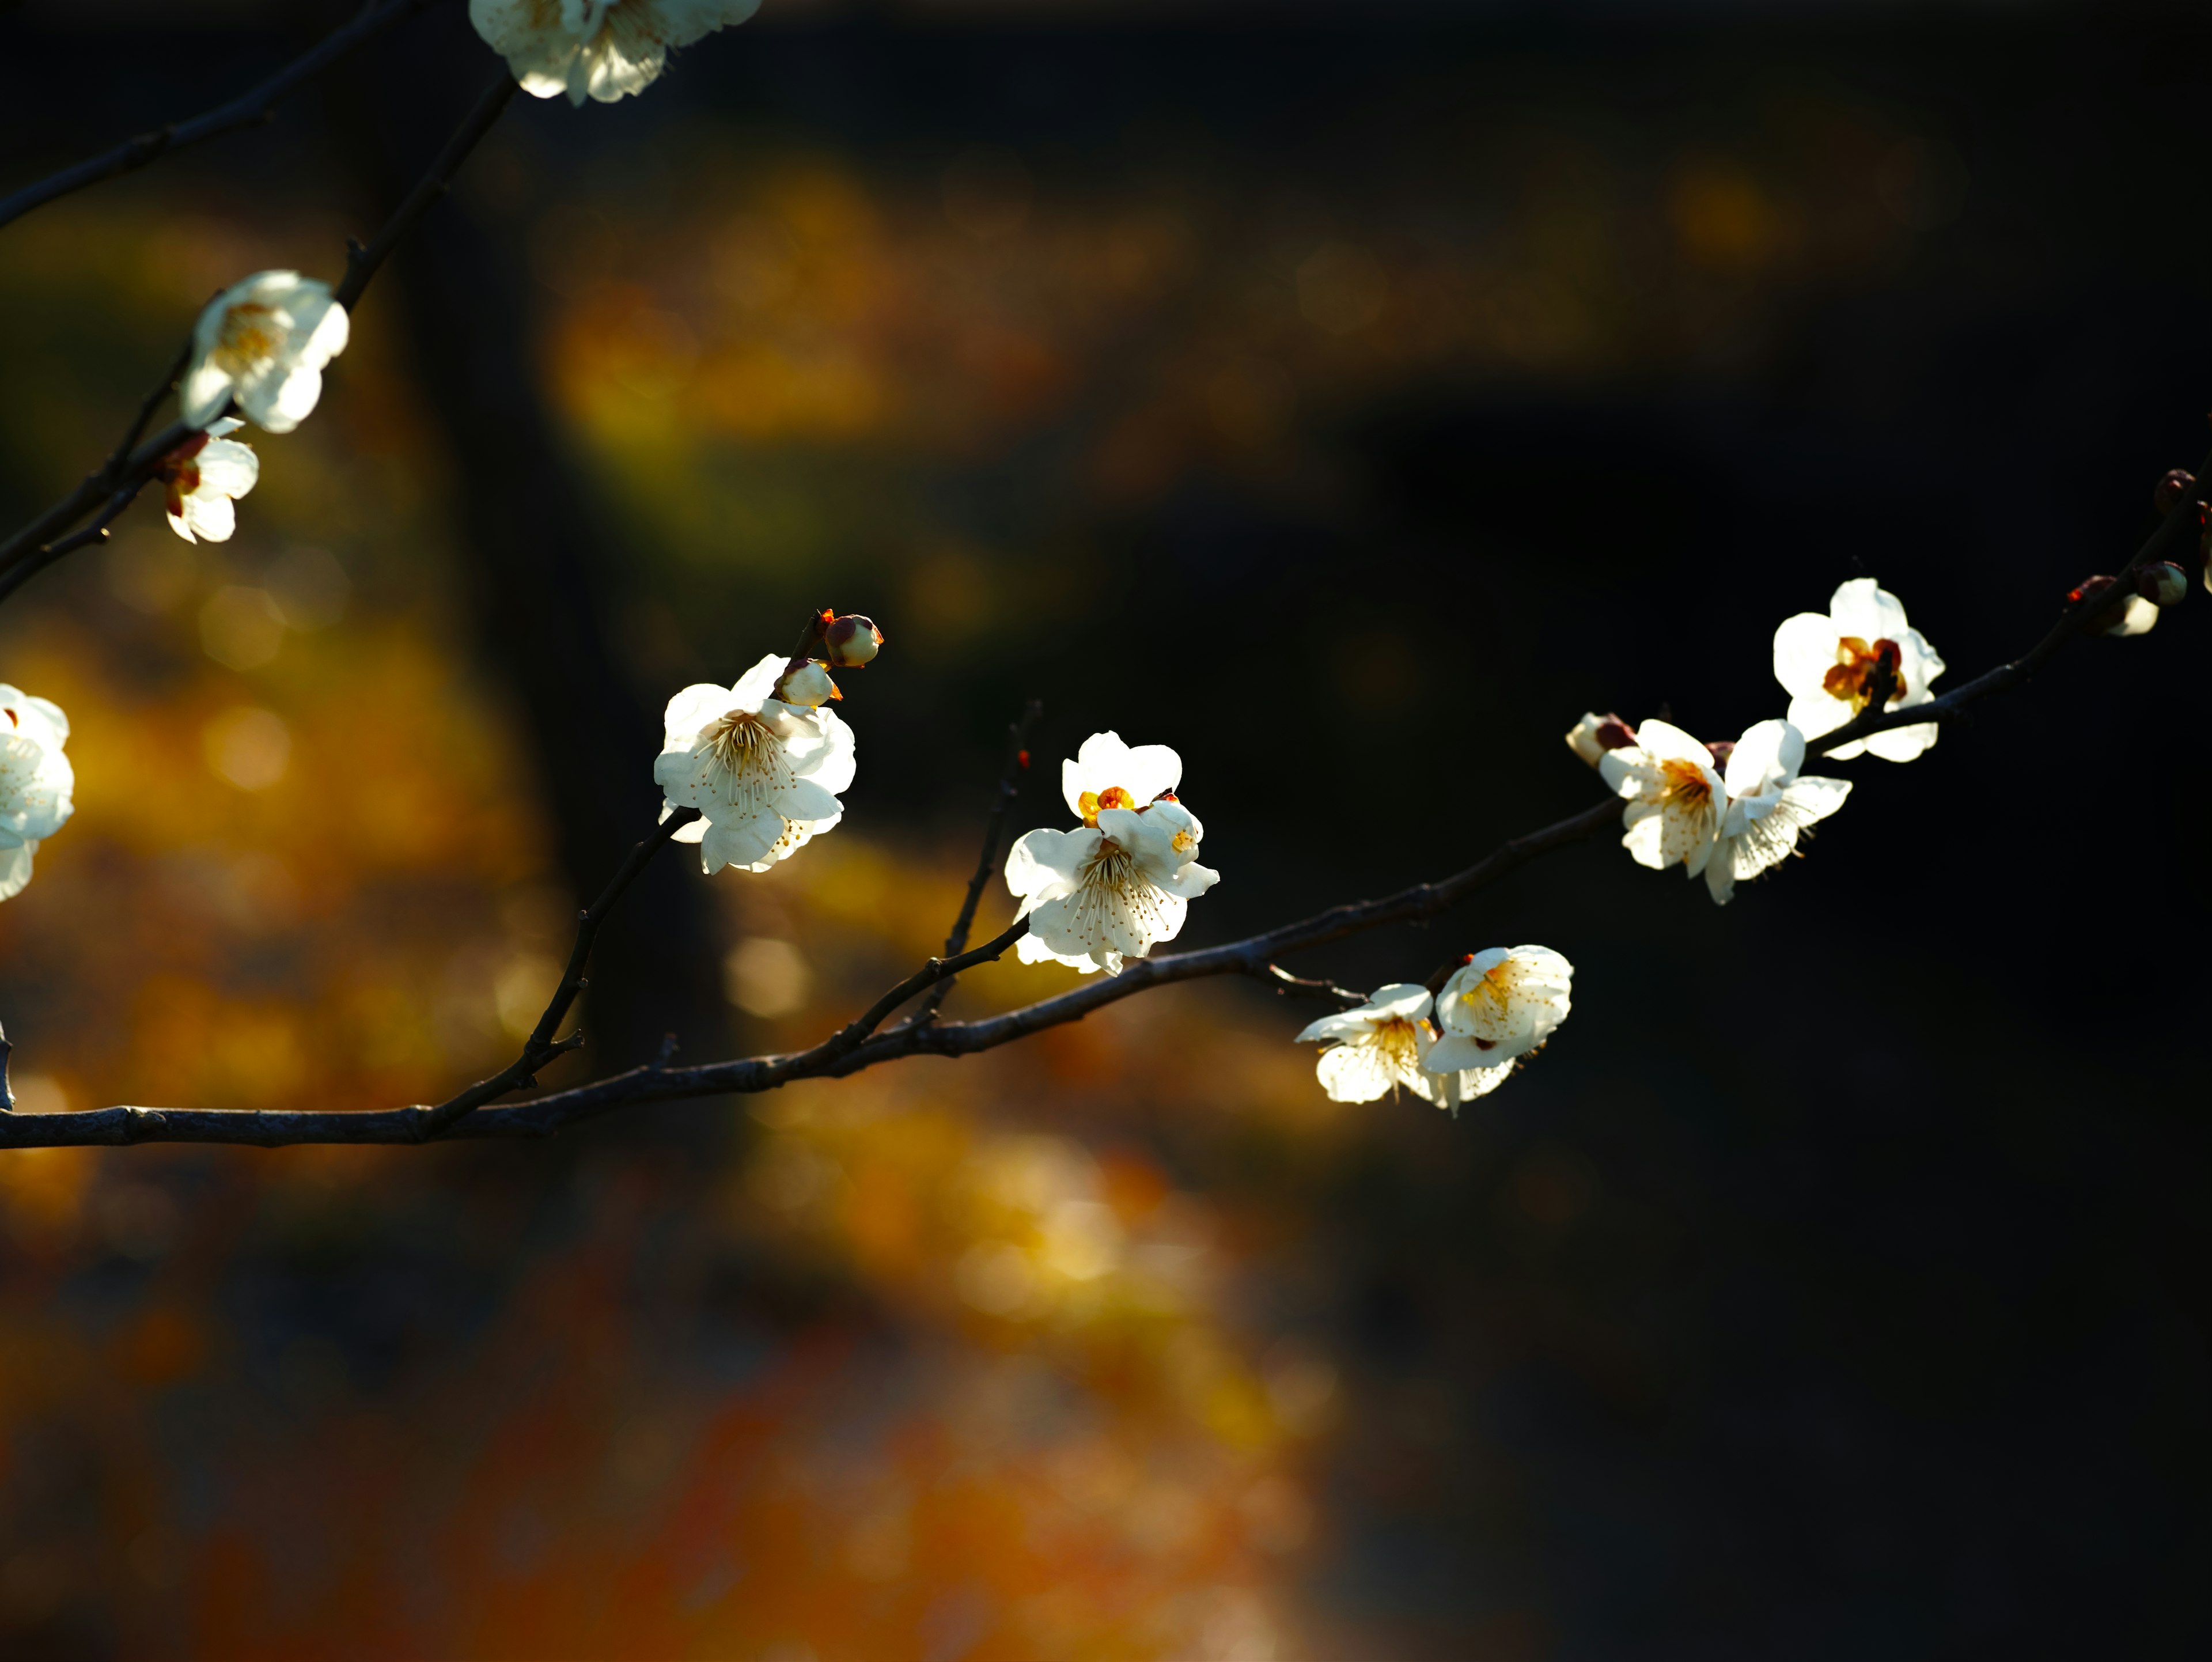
1721 750
805 682
2162 584
1594 734
851 640
2173 489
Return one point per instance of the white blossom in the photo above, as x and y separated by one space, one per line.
203 476
1385 1044
764 774
1834 666
601 49
1675 797
264 341
1121 882
1378 1048
1497 1007
35 782
1769 806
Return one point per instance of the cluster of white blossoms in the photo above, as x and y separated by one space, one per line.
1122 881
1497 1009
35 782
260 345
1734 809
765 761
601 49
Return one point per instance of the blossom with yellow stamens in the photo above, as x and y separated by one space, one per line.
601 49
1769 806
1122 881
1497 1007
1378 1048
264 341
763 774
1675 794
35 782
1861 655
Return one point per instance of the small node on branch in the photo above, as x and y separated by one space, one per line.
2162 584
2175 488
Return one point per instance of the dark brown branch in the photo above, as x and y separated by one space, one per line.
540 1047
860 1044
16 576
245 110
40 544
361 263
987 863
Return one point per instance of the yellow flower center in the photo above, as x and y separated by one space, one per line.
250 335
753 765
1399 1041
1685 785
1864 674
1093 802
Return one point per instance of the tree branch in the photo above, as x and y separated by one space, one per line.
994 827
257 105
540 1047
126 470
860 1044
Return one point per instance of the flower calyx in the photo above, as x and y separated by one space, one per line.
2162 584
2177 487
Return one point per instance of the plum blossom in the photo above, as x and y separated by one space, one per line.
1378 1048
764 774
1385 1044
601 49
1123 880
35 782
264 341
1498 1007
1836 666
203 475
1675 794
1769 806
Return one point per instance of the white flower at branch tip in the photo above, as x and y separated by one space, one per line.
1834 666
764 774
264 341
1769 805
1498 1007
600 49
203 475
1675 797
35 782
1122 881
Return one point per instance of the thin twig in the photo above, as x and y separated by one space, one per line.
361 263
540 1047
1275 976
127 469
245 110
994 829
21 573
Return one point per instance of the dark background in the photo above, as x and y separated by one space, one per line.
1835 1287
